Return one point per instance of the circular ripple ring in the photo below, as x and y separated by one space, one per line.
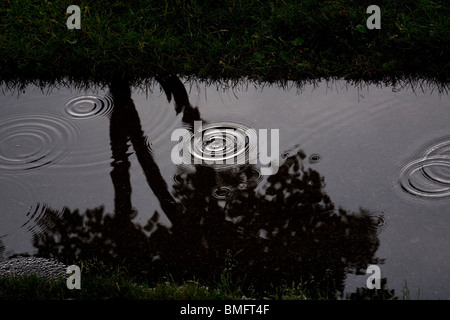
89 106
32 141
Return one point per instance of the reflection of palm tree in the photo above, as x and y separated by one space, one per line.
285 230
173 87
124 125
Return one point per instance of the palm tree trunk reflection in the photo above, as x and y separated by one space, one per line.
125 126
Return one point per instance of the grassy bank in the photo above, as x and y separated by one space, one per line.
262 40
125 287
101 281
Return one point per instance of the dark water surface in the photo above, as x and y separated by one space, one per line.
361 176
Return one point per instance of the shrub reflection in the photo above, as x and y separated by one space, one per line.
276 231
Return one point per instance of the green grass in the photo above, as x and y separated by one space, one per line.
128 288
260 40
100 281
125 287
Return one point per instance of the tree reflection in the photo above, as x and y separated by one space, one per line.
274 231
2 249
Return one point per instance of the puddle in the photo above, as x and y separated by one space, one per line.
314 182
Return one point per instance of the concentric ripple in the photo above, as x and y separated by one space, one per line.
314 158
16 194
223 192
17 198
182 175
248 177
221 144
377 220
37 218
89 106
429 176
33 141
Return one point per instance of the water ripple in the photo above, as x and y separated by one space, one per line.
33 141
314 158
377 220
182 175
17 198
221 145
37 218
223 192
248 176
428 176
89 106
